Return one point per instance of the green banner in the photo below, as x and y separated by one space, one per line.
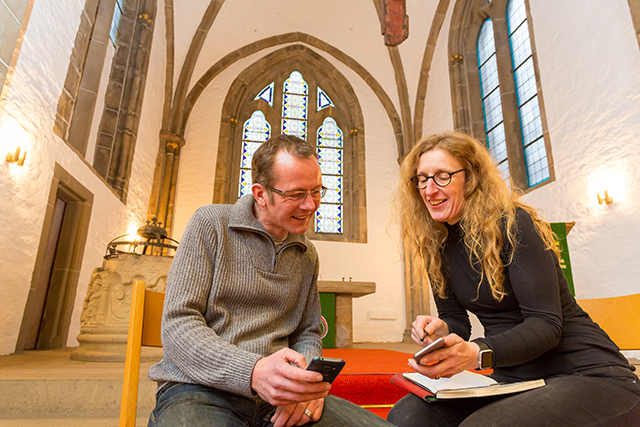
560 230
328 326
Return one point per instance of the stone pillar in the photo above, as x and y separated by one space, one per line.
416 292
165 180
344 321
104 322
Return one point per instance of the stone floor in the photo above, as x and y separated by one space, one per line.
47 388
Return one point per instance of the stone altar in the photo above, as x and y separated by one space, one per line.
345 293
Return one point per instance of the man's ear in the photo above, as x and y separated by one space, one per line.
260 194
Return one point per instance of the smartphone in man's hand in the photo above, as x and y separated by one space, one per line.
329 367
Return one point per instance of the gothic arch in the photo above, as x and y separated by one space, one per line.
287 38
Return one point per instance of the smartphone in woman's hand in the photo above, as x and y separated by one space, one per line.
436 345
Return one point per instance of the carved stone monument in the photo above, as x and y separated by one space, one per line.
104 322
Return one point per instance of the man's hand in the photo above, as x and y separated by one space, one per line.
279 383
295 415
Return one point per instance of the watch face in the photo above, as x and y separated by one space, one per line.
486 357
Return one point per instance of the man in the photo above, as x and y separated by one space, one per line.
242 313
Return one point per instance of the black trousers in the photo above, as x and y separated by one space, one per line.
575 400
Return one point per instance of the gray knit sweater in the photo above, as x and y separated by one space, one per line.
231 299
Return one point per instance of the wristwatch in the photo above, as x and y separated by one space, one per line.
485 355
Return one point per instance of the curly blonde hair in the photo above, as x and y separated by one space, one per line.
488 211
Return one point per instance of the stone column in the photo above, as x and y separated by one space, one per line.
165 179
416 293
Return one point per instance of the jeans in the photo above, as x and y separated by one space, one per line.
196 405
576 400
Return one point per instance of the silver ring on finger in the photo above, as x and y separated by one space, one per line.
308 413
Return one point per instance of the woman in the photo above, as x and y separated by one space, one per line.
485 251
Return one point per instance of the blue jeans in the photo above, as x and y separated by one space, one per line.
192 405
576 400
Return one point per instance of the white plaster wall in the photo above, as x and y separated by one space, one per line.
438 115
199 154
590 74
31 103
421 15
354 28
351 26
187 16
590 71
377 261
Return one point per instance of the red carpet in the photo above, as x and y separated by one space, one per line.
365 377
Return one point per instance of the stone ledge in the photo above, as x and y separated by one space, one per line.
355 289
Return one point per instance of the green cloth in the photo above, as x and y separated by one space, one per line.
560 230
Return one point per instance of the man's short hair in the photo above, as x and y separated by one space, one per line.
265 156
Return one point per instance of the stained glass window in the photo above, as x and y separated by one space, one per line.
256 131
323 100
115 22
535 153
329 141
266 94
294 106
491 101
296 97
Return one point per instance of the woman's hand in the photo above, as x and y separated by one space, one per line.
427 329
456 356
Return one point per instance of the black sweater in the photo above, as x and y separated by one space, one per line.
537 330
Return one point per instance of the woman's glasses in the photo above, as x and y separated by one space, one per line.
442 179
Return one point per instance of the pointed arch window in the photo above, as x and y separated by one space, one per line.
491 101
294 106
323 100
312 102
295 100
115 21
266 94
112 151
527 94
329 141
496 93
256 130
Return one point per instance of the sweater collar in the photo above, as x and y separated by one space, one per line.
454 231
242 218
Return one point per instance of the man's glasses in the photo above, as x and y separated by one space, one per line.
298 196
442 179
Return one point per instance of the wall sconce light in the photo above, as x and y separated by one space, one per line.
16 157
606 199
